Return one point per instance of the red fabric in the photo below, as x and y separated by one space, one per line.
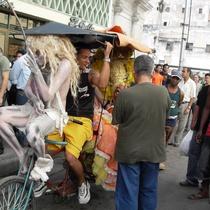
208 130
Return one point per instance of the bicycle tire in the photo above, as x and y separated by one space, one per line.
11 189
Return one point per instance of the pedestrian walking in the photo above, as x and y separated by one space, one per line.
187 85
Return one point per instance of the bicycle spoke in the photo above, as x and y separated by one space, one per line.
14 196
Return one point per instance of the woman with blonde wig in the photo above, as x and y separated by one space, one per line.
52 62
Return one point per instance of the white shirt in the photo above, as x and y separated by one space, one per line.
20 73
189 89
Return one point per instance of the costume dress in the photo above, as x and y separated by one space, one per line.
104 166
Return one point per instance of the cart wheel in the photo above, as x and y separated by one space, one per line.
13 195
57 198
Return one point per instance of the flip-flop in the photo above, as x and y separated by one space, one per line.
197 196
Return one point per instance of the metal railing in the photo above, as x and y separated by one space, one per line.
93 11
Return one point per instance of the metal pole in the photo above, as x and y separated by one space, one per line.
185 32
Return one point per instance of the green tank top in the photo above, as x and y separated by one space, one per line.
175 98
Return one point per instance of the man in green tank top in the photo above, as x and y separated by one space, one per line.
176 96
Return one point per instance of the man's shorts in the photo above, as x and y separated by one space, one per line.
76 135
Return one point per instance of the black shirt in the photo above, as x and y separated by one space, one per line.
201 102
166 78
84 105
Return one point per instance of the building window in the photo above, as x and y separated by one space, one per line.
183 9
165 24
167 9
162 62
169 46
189 46
200 11
4 19
208 48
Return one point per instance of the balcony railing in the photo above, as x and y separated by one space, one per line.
92 11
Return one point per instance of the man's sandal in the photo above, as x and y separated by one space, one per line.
197 196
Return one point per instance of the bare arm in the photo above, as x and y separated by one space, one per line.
60 77
181 98
28 91
194 118
45 91
191 102
101 79
99 96
34 97
5 79
187 110
192 99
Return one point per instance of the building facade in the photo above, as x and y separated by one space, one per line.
163 30
91 14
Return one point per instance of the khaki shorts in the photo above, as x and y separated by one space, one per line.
76 135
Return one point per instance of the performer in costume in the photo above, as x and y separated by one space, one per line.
104 139
54 70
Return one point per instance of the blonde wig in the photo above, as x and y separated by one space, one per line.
53 48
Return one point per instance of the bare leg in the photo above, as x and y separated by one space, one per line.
205 190
11 116
76 165
204 193
7 133
35 139
36 130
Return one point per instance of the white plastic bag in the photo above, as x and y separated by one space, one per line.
185 144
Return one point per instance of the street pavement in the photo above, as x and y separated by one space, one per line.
171 196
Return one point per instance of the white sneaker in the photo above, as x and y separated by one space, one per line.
39 189
84 193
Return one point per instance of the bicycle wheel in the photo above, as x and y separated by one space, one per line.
13 196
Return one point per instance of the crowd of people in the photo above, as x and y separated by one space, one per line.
195 100
4 79
51 83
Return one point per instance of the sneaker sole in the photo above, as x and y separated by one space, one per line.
39 192
85 201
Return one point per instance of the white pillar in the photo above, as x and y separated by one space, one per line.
138 17
117 10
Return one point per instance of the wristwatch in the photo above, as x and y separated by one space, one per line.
189 107
107 60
